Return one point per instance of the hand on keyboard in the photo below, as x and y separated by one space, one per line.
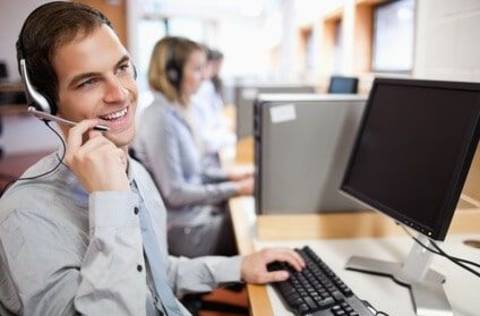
279 266
255 266
316 289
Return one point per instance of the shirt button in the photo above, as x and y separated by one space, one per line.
139 268
135 210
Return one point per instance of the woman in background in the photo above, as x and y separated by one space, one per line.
208 107
170 145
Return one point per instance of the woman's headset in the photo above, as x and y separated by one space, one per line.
172 67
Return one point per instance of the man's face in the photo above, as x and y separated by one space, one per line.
96 81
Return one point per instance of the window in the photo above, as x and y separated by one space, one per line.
393 36
190 28
150 32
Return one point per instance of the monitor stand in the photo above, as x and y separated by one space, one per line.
426 286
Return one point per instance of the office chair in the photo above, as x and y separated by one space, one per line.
196 303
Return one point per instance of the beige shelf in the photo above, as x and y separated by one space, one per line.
13 109
11 87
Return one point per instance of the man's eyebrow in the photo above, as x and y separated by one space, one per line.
83 76
80 77
122 60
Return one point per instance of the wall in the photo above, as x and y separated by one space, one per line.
447 47
12 15
115 11
24 134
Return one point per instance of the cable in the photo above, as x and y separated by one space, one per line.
456 258
439 252
64 147
458 261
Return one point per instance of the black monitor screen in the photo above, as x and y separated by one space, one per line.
414 149
339 84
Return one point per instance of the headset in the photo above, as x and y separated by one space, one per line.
172 67
40 104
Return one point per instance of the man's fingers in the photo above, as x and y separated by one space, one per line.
93 133
75 134
276 276
94 144
287 255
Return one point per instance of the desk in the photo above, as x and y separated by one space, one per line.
254 232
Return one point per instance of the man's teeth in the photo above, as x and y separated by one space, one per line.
115 115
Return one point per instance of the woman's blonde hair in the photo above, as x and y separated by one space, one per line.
167 63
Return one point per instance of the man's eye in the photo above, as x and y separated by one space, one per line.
87 83
124 68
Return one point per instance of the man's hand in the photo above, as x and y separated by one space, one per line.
254 266
98 164
236 173
245 186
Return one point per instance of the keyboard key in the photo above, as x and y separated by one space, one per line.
326 302
337 296
303 308
336 308
310 303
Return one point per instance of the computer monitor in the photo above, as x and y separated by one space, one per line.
410 159
304 139
340 84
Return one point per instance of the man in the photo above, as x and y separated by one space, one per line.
89 237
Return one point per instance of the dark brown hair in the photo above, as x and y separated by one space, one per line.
47 28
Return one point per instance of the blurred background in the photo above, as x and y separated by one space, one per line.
298 42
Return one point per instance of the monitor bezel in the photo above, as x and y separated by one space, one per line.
437 230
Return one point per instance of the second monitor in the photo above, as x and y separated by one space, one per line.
342 85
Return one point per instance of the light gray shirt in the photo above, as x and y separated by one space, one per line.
166 145
66 252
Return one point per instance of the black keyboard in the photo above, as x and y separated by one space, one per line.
317 290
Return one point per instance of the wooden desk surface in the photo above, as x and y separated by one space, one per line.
249 227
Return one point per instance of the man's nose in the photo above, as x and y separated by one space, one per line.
115 91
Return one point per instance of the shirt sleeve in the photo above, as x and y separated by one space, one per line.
51 276
167 170
202 274
214 174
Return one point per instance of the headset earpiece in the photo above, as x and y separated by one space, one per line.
172 73
172 69
34 98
